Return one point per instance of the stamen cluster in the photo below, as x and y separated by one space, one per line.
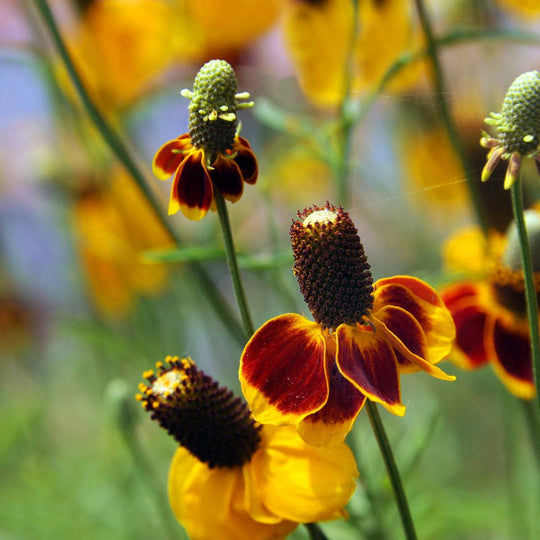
201 416
330 266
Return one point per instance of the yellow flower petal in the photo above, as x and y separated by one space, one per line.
209 503
301 482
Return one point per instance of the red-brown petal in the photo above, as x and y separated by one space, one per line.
192 188
329 426
370 364
425 305
247 162
227 178
471 322
169 157
283 371
405 334
510 351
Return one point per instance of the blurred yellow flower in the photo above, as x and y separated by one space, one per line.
319 37
223 28
120 48
488 305
232 478
521 7
111 229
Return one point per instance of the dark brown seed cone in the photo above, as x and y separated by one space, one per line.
212 117
330 266
203 417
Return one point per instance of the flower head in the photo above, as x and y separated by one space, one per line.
213 155
258 481
518 128
490 312
317 375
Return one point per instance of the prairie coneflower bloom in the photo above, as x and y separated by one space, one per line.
213 155
518 128
232 478
317 375
319 37
490 312
112 227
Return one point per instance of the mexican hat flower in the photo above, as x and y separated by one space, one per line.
232 478
317 374
489 310
518 128
212 156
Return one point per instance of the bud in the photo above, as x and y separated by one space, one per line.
213 122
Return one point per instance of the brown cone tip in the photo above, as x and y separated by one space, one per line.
205 418
330 266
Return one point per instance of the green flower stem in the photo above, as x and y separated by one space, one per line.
121 151
528 274
392 470
315 532
446 116
233 263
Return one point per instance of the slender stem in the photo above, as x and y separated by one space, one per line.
315 532
528 275
392 470
120 149
233 263
446 116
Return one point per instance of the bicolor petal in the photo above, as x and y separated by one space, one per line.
470 319
405 334
246 161
369 363
227 178
425 305
169 157
301 482
283 370
510 351
192 188
330 425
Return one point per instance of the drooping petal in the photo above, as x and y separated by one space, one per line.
194 489
227 178
470 318
246 160
425 305
493 158
192 190
283 371
369 363
510 352
330 425
169 157
405 334
298 481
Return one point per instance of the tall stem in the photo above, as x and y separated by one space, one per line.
528 275
446 116
233 263
121 151
392 470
